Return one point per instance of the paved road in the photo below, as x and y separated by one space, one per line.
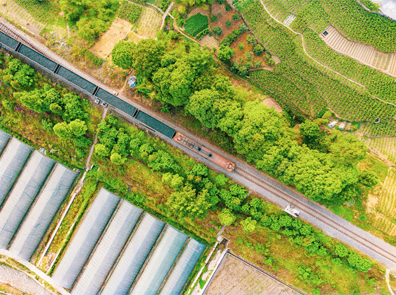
267 187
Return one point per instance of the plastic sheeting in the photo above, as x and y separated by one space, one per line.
155 124
12 161
76 79
134 256
160 263
184 266
86 238
43 211
22 196
4 137
106 253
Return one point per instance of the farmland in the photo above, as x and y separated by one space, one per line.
196 24
130 11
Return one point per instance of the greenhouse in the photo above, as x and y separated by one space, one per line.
43 211
4 137
108 250
23 195
160 263
85 239
134 256
184 266
12 161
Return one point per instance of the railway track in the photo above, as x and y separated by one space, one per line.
357 240
322 217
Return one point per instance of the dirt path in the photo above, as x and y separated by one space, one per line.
166 14
305 51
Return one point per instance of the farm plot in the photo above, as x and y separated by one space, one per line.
117 31
130 11
196 24
386 146
236 277
149 23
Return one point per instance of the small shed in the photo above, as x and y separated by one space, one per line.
132 82
342 126
332 124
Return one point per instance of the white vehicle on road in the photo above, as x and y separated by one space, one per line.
292 211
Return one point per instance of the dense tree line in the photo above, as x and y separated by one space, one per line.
180 74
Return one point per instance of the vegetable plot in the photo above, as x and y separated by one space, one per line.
196 24
130 11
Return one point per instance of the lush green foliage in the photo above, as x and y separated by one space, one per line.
92 17
218 31
121 54
225 53
196 24
130 11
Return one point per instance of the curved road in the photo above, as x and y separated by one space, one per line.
262 184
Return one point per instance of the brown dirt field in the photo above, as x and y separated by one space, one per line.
117 31
272 103
198 10
248 47
225 16
235 277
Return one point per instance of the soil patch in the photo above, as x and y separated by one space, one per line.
247 47
198 10
269 102
117 31
237 277
221 20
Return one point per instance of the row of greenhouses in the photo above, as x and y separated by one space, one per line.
32 188
119 249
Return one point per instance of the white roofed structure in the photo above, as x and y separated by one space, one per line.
43 211
12 161
160 262
134 256
183 268
23 195
108 250
85 239
4 137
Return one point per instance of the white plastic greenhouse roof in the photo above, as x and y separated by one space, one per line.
22 196
160 263
43 211
108 250
183 268
4 137
134 256
86 238
12 161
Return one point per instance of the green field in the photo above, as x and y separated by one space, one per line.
196 24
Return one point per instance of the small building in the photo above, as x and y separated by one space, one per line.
132 82
332 124
342 126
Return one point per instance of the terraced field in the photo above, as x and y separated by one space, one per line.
385 146
364 54
149 22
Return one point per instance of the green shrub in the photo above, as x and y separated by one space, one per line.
218 31
241 46
228 24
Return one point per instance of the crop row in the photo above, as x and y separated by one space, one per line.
196 24
130 11
377 83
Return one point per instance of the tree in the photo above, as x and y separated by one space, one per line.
221 179
63 130
200 105
200 169
102 150
249 55
348 150
78 127
177 181
258 49
225 53
90 29
241 46
341 250
250 39
226 217
368 178
117 159
147 56
243 28
309 130
186 203
236 17
218 31
122 54
228 24
248 225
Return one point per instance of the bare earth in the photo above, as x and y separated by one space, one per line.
235 277
117 31
269 102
